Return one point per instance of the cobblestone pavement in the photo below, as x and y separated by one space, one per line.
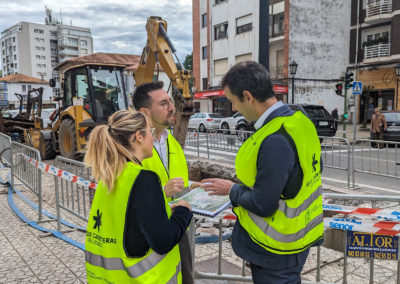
29 256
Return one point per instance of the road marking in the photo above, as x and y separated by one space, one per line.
363 185
211 150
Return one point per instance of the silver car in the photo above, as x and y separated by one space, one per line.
204 121
229 124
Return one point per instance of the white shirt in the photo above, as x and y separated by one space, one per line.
162 148
265 115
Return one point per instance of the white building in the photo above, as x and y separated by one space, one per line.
35 49
22 84
314 33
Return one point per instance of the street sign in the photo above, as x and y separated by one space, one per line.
357 88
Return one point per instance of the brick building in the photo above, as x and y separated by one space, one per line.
309 32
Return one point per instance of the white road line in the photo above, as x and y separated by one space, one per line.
363 185
211 151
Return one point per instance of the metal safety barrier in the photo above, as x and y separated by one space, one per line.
376 157
25 172
71 196
335 154
5 148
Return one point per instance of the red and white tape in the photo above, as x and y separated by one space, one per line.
364 213
59 172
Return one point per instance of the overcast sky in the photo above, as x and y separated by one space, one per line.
117 26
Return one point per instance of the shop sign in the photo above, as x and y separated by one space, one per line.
207 94
367 245
280 89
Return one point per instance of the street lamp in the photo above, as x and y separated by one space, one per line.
293 70
397 72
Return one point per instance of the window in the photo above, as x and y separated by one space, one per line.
53 33
243 57
15 57
83 42
4 60
221 66
204 20
38 31
220 1
278 24
2 43
14 39
29 88
24 88
244 24
221 31
15 65
14 48
205 83
204 52
84 51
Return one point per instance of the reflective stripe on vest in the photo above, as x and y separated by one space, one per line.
174 279
114 263
298 222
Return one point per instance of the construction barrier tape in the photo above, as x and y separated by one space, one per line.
364 226
59 172
364 213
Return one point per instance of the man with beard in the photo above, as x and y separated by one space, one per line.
168 159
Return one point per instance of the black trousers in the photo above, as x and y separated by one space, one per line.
186 260
290 275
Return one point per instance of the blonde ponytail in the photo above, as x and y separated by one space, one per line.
108 148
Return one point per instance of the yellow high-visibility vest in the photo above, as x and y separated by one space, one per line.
106 258
298 222
177 166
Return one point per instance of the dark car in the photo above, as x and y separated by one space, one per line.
322 119
392 132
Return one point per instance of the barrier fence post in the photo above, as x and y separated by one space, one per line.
318 263
371 271
208 152
398 272
220 248
198 143
353 165
345 262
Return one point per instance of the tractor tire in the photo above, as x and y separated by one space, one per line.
46 149
67 139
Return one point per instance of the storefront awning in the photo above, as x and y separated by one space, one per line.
207 94
218 93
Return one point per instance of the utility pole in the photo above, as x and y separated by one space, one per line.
345 111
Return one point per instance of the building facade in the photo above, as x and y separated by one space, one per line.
308 32
35 49
374 52
22 84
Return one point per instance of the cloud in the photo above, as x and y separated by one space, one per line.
117 26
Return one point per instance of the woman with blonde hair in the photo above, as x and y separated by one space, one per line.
132 233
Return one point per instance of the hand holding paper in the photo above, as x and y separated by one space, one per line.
217 186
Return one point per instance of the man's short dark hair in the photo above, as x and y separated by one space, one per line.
141 96
249 76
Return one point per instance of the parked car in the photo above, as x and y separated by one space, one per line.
229 124
392 132
322 119
204 121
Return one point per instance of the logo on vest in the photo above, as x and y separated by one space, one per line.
97 220
314 163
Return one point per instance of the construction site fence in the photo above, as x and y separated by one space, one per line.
376 157
5 148
335 151
70 196
23 171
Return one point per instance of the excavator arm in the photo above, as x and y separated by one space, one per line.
159 49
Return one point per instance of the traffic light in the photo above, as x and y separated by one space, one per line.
339 88
349 80
345 115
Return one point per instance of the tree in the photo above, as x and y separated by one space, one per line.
188 64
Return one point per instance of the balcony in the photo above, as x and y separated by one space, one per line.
276 72
378 12
377 52
68 52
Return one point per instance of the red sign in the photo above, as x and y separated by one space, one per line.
206 94
280 89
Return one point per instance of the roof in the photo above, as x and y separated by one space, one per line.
21 78
100 58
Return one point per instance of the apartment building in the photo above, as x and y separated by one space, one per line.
313 33
35 49
374 52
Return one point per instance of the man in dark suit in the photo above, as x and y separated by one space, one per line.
279 216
